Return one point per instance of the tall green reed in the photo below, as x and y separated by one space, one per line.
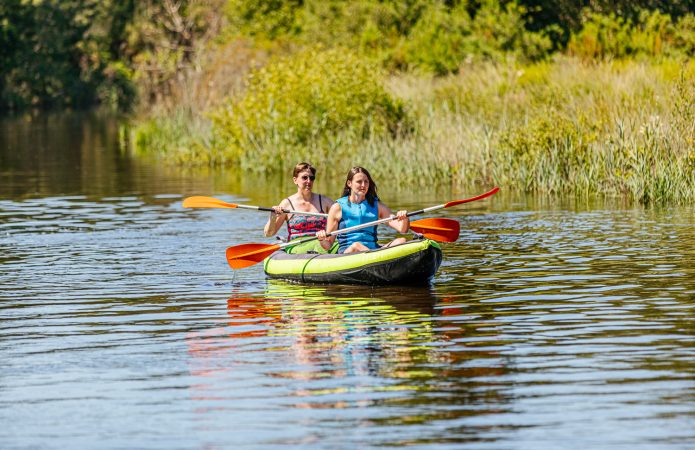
618 128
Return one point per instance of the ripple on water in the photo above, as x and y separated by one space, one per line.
121 313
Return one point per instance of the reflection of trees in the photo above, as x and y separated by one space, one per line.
354 347
76 153
82 153
51 153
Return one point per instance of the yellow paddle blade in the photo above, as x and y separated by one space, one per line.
245 255
200 201
437 229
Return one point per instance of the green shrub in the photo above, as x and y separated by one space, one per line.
500 30
439 41
305 97
267 19
444 37
650 34
601 36
684 36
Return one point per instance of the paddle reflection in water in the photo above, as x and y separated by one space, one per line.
381 355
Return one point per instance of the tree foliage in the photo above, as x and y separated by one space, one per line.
80 52
567 15
61 52
57 53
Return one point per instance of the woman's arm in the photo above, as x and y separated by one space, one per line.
334 216
276 219
401 223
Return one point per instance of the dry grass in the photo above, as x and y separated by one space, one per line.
611 128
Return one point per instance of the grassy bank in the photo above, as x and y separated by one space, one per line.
610 128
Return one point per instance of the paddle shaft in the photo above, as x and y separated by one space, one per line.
286 211
456 202
200 201
357 227
388 219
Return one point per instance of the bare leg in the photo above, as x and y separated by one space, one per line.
396 241
356 247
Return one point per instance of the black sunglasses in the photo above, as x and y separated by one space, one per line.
308 177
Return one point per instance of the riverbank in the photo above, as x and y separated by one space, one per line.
615 128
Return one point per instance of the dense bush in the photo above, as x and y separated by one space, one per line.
439 41
67 53
650 34
304 97
63 53
434 35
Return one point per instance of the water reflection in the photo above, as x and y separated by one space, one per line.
339 330
84 154
356 348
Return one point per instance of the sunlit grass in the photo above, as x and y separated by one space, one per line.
618 128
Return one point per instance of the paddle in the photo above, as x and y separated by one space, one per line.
245 255
200 201
437 229
492 191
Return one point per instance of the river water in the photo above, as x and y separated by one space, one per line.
560 324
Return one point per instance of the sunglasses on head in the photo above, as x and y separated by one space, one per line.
308 177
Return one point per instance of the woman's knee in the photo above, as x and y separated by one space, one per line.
355 247
396 241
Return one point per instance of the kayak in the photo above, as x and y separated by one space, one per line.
414 262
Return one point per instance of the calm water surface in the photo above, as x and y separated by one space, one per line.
549 325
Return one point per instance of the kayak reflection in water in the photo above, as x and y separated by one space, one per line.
304 199
360 204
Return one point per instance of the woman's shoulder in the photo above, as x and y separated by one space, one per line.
326 199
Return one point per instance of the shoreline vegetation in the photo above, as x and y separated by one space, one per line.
565 127
571 98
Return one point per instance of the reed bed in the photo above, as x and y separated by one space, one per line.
565 126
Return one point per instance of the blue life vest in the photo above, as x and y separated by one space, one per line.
357 214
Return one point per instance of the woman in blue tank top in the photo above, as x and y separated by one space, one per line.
359 204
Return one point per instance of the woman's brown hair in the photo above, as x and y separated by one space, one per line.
301 167
371 191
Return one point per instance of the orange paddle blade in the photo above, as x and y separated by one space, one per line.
245 255
200 201
492 191
437 229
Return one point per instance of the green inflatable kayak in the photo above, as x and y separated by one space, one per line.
414 262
